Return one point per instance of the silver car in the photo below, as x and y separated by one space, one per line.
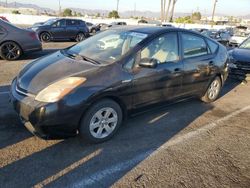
15 41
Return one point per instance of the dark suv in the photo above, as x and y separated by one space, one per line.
61 29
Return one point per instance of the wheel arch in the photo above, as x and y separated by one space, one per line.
116 99
14 42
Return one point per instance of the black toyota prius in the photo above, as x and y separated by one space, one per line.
90 88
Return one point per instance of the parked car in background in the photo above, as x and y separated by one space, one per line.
93 28
4 19
166 25
102 26
239 59
115 24
62 29
15 41
221 36
238 38
94 88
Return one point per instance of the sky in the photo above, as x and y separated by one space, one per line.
228 7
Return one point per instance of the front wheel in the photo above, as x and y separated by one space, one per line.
213 91
101 121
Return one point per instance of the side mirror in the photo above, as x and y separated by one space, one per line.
149 63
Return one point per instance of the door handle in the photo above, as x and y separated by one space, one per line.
211 63
177 70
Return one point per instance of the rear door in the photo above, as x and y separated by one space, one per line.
198 63
3 33
153 85
58 29
72 28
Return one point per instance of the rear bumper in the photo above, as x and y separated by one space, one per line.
45 120
36 46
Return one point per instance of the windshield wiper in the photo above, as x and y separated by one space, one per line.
80 57
89 59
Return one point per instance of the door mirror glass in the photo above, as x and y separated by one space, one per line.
149 63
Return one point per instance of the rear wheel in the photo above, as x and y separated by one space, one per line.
80 37
45 37
101 121
213 91
10 51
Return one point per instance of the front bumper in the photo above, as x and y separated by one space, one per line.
45 120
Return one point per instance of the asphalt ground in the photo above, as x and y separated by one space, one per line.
188 144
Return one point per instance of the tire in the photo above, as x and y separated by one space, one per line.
96 125
10 51
45 37
80 37
213 91
93 31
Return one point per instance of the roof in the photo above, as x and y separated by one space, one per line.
146 29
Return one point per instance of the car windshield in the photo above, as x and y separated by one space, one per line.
245 44
50 22
108 46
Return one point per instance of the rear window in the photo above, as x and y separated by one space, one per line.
213 46
193 46
72 22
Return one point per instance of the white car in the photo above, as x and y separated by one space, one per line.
237 39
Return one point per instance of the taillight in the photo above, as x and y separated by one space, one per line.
33 35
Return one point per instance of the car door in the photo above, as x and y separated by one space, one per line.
153 85
198 63
72 28
58 29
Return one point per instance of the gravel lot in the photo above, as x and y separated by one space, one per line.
189 144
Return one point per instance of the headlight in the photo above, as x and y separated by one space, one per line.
58 90
34 28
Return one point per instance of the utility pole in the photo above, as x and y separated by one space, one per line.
59 1
134 9
6 3
117 5
215 2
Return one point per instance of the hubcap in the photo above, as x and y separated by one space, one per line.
45 37
103 122
11 51
214 89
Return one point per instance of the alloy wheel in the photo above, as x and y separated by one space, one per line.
80 37
10 51
45 37
103 122
214 89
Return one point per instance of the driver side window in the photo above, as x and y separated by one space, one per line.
59 23
163 48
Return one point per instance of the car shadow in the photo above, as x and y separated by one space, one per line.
229 85
74 163
12 130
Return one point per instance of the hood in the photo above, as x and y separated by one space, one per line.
47 70
240 54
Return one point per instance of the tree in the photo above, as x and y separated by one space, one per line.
113 14
185 19
196 16
98 15
172 10
15 12
167 10
67 12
